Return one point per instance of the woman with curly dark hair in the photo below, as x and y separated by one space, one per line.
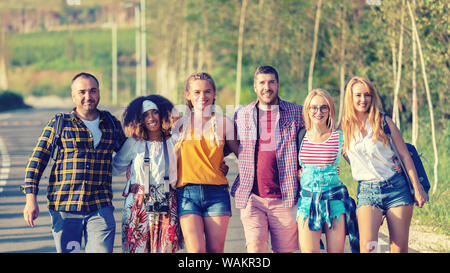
149 220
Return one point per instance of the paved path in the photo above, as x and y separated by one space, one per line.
19 131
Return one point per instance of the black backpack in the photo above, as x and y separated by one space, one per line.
423 179
59 126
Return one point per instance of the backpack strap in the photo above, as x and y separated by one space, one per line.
338 157
59 125
386 128
387 131
300 136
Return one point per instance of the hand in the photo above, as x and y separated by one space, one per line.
31 210
420 196
224 168
300 173
397 167
174 115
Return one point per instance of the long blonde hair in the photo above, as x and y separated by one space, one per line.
331 120
187 118
351 125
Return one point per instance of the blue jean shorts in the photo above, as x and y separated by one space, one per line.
204 200
386 194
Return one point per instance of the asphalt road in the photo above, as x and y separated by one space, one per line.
19 132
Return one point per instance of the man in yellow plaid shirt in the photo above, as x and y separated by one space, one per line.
80 185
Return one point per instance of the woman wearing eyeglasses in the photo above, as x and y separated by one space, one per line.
324 204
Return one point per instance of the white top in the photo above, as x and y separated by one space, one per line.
370 161
93 126
133 152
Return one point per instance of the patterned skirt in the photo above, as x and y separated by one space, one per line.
144 232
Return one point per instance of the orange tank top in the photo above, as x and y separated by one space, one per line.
200 159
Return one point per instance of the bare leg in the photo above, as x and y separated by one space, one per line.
336 236
399 220
369 222
193 233
309 239
216 231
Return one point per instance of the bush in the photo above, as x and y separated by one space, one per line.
10 100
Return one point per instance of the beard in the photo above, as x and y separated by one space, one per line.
271 100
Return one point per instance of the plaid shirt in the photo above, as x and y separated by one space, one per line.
81 178
289 123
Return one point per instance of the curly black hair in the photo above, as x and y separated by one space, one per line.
133 118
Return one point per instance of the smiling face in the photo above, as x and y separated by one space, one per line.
362 98
201 94
319 111
266 88
85 95
152 121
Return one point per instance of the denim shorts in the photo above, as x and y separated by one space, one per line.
204 200
386 194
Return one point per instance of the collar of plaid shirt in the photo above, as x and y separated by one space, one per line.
289 123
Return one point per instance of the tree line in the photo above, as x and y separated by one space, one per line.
401 45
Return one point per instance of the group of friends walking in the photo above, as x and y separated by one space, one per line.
176 192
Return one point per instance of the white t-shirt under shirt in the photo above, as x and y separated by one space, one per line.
93 126
371 162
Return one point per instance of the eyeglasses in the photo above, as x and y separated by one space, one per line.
323 109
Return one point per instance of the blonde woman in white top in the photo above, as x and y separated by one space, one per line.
381 190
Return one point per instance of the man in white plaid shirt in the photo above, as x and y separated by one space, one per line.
266 189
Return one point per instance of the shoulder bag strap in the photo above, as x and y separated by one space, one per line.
57 135
147 175
166 166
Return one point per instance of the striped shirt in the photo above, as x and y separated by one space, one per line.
320 154
81 178
290 121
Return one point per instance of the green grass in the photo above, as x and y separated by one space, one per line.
435 213
68 50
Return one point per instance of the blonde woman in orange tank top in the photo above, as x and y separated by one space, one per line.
202 189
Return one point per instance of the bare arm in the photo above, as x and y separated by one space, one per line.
405 157
231 136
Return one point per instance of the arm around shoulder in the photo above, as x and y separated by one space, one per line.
231 136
